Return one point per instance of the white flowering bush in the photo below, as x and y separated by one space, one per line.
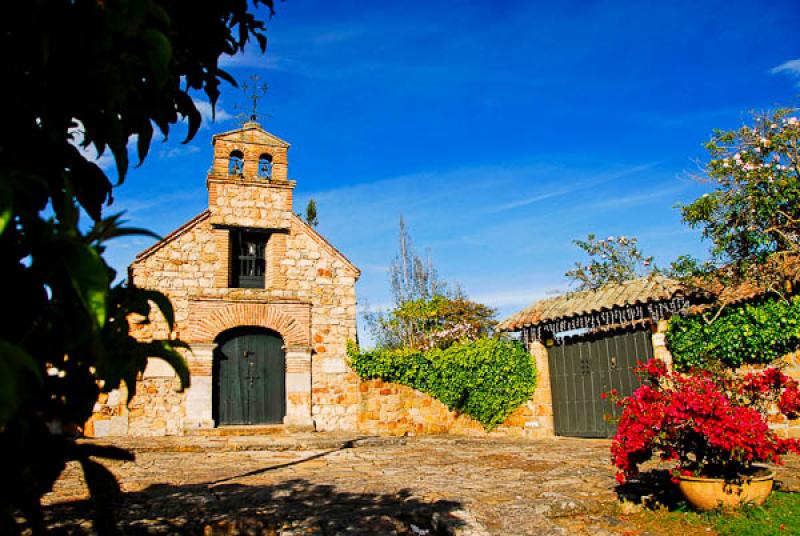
613 260
752 216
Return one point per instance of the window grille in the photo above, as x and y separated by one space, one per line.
248 263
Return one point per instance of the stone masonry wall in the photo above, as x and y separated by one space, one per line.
306 274
313 273
250 203
392 409
155 410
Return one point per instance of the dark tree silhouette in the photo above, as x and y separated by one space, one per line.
101 74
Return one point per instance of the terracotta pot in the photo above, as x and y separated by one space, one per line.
710 493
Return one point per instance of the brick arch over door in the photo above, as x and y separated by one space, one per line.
295 331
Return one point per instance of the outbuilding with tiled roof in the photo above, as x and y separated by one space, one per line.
589 342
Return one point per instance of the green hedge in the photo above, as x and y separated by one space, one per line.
486 379
753 333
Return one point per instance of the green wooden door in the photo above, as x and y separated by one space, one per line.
249 378
581 368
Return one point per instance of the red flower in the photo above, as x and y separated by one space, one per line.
703 421
789 403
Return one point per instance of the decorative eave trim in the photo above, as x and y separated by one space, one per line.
189 225
627 315
321 241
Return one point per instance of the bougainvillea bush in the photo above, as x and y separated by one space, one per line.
711 424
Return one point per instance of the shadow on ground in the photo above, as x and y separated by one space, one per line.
291 507
652 489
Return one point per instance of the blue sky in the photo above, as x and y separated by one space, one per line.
500 130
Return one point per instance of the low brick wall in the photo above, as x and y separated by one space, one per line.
392 409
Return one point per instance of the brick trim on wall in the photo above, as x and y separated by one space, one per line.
210 317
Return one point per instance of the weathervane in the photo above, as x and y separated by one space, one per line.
254 91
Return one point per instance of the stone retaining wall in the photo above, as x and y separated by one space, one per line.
392 409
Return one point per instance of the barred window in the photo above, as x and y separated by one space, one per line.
248 265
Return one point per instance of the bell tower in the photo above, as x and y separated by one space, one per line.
248 184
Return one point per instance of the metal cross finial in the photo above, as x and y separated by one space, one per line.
254 91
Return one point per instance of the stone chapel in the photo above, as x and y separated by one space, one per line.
265 302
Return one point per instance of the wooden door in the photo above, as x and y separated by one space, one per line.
581 368
249 378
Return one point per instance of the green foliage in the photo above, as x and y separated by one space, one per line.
438 322
613 260
758 332
486 379
687 269
311 213
85 74
752 216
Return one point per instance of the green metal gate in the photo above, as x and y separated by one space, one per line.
249 378
581 368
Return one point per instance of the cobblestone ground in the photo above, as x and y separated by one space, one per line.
319 484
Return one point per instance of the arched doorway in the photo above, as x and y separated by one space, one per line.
249 377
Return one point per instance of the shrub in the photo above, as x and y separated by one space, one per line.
710 424
486 379
752 333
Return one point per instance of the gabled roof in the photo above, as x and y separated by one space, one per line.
268 137
188 226
324 244
647 289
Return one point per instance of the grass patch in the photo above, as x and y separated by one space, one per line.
779 516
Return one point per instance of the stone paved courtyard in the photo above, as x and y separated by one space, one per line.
328 484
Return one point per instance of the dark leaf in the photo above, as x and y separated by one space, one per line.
89 277
159 53
143 142
90 185
17 369
187 108
262 42
118 143
6 203
163 304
